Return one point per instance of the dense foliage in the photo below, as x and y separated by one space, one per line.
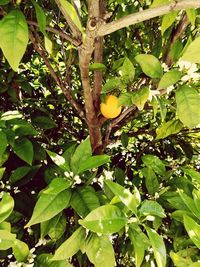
77 189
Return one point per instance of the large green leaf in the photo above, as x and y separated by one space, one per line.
46 260
71 246
169 78
112 84
193 230
19 173
14 37
59 160
3 143
154 163
11 115
127 198
188 111
106 219
168 20
150 207
6 206
151 180
51 201
7 239
192 52
158 246
43 122
23 148
189 202
22 128
127 71
84 200
150 65
168 128
192 15
139 98
93 162
41 17
20 250
193 174
100 251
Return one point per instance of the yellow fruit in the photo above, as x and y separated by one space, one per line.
111 108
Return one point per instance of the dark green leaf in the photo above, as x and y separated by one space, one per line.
151 180
41 17
43 122
3 143
23 148
19 173
154 163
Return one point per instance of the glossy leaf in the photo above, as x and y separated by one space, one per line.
169 78
46 260
158 247
150 207
71 246
127 198
155 163
193 230
51 201
106 219
23 148
20 250
14 37
191 54
84 200
59 160
93 162
6 206
150 65
7 239
41 17
187 100
100 251
168 128
195 175
189 202
168 20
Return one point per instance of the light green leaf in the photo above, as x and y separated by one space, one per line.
97 66
150 65
41 17
23 148
180 261
48 45
7 239
6 206
193 230
100 251
163 108
129 200
189 202
20 250
11 115
140 97
151 180
127 71
3 143
106 219
154 163
125 99
192 14
93 162
150 207
46 261
14 37
59 160
84 200
2 170
5 226
112 84
188 111
44 122
193 174
158 247
169 78
71 246
157 3
168 128
191 54
168 20
51 201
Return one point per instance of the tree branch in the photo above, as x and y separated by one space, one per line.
64 87
146 15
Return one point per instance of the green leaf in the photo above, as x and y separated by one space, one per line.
71 11
48 45
3 143
189 202
71 246
129 200
139 98
180 261
46 260
82 153
84 200
4 2
59 160
168 20
191 54
150 65
192 14
193 174
150 207
124 139
106 219
44 122
19 173
169 78
20 250
127 71
14 37
100 251
11 115
112 84
168 128
23 148
41 17
193 230
157 3
22 128
93 162
97 66
154 163
51 201
151 180
2 170
7 239
188 111
6 206
158 247
125 99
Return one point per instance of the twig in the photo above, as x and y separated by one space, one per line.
146 15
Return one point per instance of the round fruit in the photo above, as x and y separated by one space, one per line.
111 108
